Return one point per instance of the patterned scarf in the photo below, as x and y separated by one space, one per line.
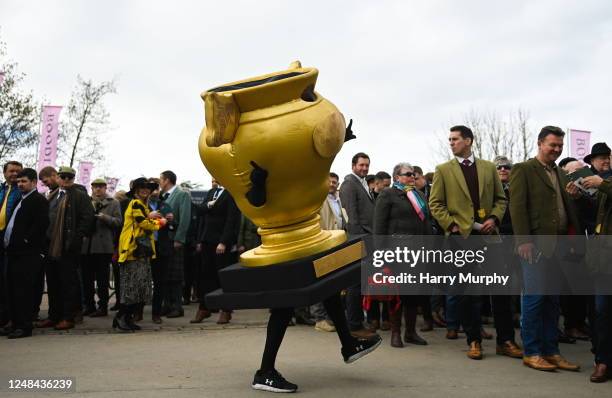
418 204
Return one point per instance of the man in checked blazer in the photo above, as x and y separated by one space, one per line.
467 193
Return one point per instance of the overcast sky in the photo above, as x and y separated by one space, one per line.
403 70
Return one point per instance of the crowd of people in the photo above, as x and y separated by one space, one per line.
164 250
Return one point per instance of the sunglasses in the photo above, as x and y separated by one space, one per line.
66 176
407 174
504 167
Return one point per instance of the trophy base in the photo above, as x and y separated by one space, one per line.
280 245
295 283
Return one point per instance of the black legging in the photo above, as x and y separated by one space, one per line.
279 320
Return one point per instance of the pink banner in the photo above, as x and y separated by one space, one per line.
111 185
84 174
1 77
47 146
580 141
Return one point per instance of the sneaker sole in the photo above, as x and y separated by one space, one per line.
363 353
265 387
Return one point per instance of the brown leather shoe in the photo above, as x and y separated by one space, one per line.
577 334
562 363
438 320
451 334
475 351
427 326
385 325
224 317
362 333
64 325
396 339
538 363
200 316
601 374
45 323
509 349
375 325
485 335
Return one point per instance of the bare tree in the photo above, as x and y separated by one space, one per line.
86 119
494 135
19 113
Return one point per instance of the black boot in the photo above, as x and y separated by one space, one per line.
410 317
129 317
120 322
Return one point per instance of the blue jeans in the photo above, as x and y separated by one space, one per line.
452 312
540 313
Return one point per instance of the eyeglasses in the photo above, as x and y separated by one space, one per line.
66 176
407 174
504 167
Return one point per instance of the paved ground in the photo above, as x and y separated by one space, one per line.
179 360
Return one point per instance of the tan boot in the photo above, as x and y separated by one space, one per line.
509 349
538 363
562 363
475 351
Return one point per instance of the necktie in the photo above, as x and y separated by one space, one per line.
216 194
467 163
165 196
3 209
11 223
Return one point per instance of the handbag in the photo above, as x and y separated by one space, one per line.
144 247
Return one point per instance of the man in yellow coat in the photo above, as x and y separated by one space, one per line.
467 198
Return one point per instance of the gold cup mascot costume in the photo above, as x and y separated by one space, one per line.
270 140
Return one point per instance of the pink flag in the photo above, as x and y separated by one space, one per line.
1 77
111 185
84 175
579 143
49 133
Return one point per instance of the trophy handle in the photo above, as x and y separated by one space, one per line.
222 117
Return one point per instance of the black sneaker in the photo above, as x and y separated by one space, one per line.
361 348
272 381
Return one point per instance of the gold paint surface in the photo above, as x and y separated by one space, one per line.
295 140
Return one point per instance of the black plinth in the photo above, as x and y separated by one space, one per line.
289 284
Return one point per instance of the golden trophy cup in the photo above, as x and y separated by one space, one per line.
270 140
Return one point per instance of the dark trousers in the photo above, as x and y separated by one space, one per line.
173 282
574 311
469 309
116 283
354 308
95 270
4 312
603 330
279 320
192 259
159 268
22 272
375 313
40 287
503 316
209 266
63 288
